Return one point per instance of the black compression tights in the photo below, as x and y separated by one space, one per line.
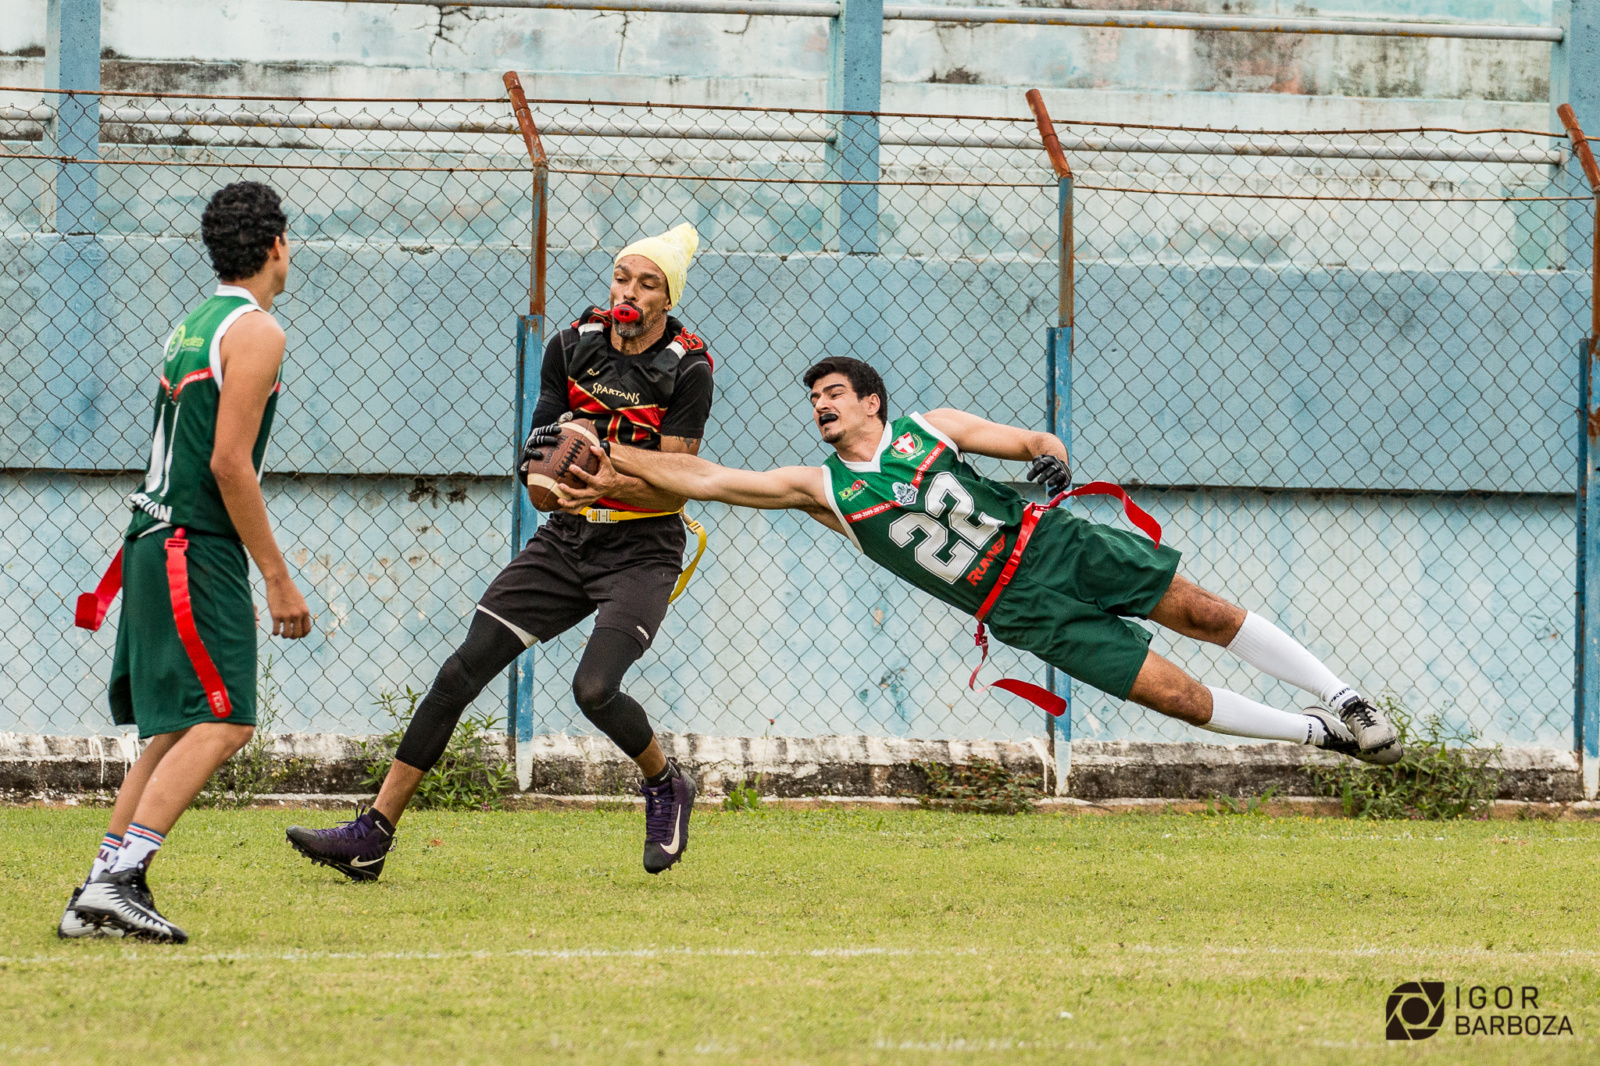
597 686
489 648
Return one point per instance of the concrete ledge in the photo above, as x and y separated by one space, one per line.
844 769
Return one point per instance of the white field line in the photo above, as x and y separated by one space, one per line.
174 954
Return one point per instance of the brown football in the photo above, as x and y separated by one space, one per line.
575 448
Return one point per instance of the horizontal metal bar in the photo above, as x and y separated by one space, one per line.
1163 20
789 8
1295 149
771 133
1154 20
40 113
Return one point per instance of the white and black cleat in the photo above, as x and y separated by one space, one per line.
122 900
1377 739
1335 737
73 925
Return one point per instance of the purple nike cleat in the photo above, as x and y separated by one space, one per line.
666 819
356 848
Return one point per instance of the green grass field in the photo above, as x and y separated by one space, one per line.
806 937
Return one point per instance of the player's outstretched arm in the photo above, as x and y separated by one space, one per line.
689 476
982 437
252 351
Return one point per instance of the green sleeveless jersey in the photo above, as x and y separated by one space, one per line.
179 488
918 510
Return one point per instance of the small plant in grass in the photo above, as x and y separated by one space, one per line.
252 771
1443 775
982 786
464 780
1220 804
745 796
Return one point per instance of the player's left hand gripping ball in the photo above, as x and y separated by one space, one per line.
1052 472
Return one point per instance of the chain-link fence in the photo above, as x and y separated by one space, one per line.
1339 368
1343 366
387 471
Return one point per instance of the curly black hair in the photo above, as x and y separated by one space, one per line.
864 381
239 225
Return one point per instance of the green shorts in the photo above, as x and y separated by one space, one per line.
1069 597
153 683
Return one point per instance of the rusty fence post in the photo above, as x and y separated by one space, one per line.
529 356
1058 396
1586 710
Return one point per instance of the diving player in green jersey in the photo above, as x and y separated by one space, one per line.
902 494
185 667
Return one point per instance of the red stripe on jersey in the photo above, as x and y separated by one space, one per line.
198 375
923 469
888 505
862 516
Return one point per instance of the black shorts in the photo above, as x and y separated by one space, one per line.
573 567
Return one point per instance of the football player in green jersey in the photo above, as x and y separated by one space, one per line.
1053 584
185 667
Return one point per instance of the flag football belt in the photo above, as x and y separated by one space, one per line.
92 608
606 515
1041 697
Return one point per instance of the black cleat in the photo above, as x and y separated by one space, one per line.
667 807
123 900
356 848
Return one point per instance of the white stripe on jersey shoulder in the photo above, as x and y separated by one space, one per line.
591 327
917 417
833 504
225 289
872 466
677 349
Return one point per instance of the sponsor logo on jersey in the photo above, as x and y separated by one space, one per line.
161 512
175 345
853 491
907 444
976 576
606 390
905 494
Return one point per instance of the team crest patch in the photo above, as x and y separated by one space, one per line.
905 494
907 444
853 491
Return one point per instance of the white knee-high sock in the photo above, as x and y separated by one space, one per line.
1238 716
1274 652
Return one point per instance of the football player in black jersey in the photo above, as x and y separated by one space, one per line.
614 550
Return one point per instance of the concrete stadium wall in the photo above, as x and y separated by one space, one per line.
1175 76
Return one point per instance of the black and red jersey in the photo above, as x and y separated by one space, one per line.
632 399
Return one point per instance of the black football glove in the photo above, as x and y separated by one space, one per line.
1053 473
541 437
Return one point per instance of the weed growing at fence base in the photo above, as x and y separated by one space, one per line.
803 937
1444 774
252 771
982 786
468 775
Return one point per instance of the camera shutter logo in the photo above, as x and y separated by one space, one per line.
1416 1010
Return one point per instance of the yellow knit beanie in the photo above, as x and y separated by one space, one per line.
671 252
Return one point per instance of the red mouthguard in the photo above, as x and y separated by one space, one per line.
625 313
